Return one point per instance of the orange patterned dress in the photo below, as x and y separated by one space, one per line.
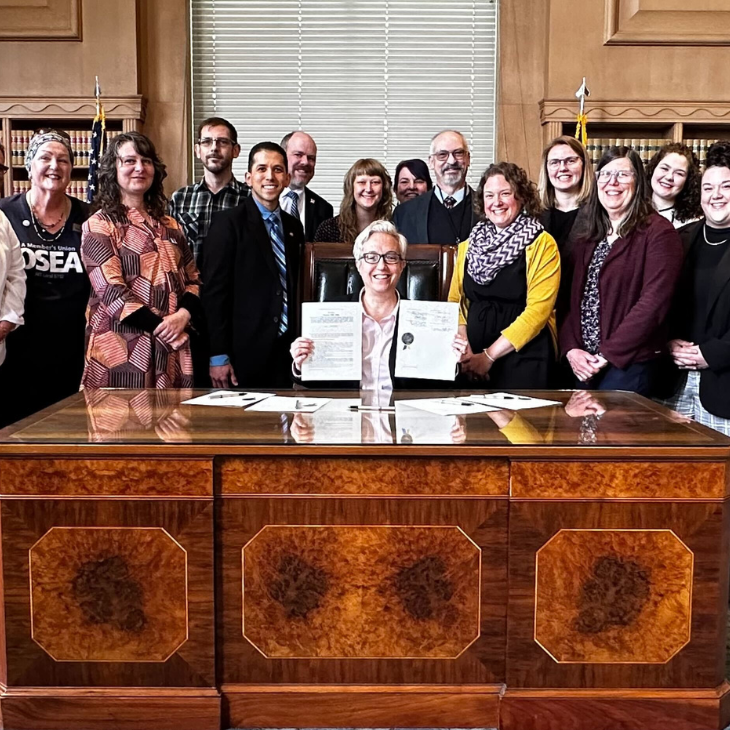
132 266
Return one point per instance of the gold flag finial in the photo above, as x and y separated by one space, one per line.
581 128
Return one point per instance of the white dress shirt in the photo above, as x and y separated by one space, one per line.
284 203
377 339
12 278
457 195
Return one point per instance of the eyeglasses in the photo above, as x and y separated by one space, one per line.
567 161
390 257
622 176
443 155
223 142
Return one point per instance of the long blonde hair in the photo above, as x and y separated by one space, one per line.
384 210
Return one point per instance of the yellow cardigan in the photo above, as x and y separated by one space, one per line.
543 280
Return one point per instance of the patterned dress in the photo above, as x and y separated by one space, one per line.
135 266
590 307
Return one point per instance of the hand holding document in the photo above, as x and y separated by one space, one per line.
426 333
336 330
227 399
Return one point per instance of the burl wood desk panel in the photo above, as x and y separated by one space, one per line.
557 568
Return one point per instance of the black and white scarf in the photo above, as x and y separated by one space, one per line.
490 250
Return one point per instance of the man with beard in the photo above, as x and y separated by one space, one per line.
297 199
193 206
445 214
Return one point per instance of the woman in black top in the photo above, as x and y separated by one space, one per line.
700 319
46 356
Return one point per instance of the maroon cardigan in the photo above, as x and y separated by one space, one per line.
636 286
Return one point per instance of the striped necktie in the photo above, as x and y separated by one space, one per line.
277 244
292 200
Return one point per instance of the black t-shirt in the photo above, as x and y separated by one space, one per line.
57 283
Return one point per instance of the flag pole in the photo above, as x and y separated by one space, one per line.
581 127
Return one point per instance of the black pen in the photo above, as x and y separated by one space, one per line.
384 409
232 395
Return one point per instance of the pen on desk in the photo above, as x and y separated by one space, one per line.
232 395
389 409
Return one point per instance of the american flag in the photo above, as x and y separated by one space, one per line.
98 135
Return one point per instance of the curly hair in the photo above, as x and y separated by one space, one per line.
524 189
587 182
596 223
384 209
719 154
687 204
109 197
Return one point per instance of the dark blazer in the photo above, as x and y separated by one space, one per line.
715 380
316 210
242 295
398 383
411 217
636 286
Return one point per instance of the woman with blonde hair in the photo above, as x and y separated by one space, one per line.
368 197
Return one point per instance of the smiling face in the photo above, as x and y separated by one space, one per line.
216 149
301 152
267 178
564 169
669 178
716 197
617 187
51 167
449 160
408 186
367 191
135 173
380 278
501 205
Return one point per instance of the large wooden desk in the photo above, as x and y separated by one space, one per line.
193 568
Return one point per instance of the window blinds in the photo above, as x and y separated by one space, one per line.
365 79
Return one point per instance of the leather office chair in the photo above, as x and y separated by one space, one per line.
329 272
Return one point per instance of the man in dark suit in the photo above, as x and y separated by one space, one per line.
445 214
297 199
251 268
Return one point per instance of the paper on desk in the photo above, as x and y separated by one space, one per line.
425 337
335 423
336 330
511 401
289 404
446 406
414 426
227 399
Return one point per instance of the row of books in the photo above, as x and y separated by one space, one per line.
646 148
80 144
76 188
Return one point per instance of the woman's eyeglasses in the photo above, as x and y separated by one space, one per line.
622 176
390 257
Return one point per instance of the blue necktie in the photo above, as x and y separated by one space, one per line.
277 243
293 201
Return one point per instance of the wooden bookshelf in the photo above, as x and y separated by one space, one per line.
644 126
20 117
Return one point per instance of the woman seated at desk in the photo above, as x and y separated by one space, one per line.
379 253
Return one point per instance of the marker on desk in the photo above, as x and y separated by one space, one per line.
385 409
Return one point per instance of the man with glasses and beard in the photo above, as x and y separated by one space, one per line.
193 206
297 199
445 214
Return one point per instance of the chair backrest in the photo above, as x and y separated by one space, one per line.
329 272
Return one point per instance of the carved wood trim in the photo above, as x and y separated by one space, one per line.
56 20
628 24
120 107
643 112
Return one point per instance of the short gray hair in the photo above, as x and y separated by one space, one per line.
379 227
447 131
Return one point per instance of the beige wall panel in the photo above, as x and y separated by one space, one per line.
523 45
644 73
165 83
40 19
50 68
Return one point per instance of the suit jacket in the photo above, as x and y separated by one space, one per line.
715 380
411 217
316 211
242 295
636 285
398 383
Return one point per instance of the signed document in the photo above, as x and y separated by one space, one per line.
426 333
336 330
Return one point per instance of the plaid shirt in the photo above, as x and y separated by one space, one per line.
193 207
